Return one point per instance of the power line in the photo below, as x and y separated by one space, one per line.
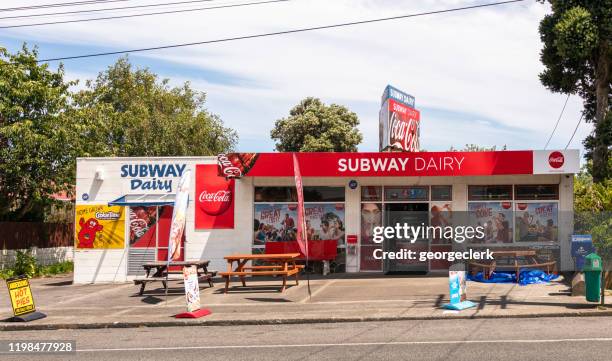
575 129
106 9
142 14
67 4
558 119
284 32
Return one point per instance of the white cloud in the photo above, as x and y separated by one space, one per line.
481 62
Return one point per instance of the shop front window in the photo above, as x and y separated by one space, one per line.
537 222
143 228
417 193
275 218
489 192
537 192
441 193
495 218
149 231
371 194
275 194
371 217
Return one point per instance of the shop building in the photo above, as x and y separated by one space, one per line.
246 202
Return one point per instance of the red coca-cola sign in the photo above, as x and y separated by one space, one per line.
403 127
215 199
556 159
215 203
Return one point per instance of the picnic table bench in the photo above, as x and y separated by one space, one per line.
280 264
158 272
512 260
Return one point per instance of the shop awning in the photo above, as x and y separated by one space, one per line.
135 200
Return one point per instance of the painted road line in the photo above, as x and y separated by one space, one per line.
317 291
350 344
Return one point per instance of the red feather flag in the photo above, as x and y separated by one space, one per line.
302 240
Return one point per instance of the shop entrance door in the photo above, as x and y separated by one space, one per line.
412 214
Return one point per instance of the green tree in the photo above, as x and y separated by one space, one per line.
313 126
36 159
131 112
576 54
593 214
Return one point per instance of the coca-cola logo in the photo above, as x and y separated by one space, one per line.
215 203
219 196
404 133
228 169
556 159
139 227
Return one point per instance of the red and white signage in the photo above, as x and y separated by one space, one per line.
399 126
422 164
214 208
556 161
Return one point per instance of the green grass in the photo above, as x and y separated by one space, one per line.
42 271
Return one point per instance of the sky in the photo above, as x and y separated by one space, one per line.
474 73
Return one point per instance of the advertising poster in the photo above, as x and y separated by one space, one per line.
537 222
495 218
143 221
371 217
582 245
192 289
179 217
457 286
99 227
214 208
440 215
278 222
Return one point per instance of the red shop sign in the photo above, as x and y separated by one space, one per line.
378 164
214 199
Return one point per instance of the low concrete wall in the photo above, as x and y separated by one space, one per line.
45 256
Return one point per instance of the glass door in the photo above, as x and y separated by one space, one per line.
413 215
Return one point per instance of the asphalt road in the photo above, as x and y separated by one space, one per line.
571 338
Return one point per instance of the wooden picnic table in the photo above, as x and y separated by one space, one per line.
279 264
158 272
512 260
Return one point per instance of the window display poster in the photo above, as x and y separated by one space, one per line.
371 217
278 222
537 222
495 218
99 227
440 215
143 221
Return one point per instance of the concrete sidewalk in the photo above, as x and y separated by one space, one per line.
361 297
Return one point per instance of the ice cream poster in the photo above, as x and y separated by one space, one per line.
192 289
99 227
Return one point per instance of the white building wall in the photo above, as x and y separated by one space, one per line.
111 265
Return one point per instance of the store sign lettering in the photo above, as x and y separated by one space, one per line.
151 176
418 164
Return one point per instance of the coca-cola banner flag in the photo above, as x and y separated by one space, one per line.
214 207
